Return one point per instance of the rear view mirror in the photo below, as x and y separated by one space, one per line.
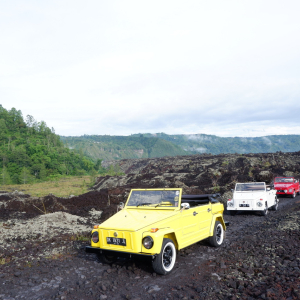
185 206
121 206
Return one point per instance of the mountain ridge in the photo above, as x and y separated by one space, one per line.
148 145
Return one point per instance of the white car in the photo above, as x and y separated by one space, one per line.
252 196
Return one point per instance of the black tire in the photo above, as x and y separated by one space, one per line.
164 262
106 259
294 194
275 206
265 211
218 237
232 212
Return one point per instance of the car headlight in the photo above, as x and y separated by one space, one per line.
148 242
230 202
95 237
285 191
259 204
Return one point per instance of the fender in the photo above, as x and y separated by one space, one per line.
158 237
216 217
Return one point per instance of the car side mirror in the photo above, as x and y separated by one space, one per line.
185 206
232 190
121 206
268 189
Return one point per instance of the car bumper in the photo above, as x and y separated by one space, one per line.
245 208
96 250
283 193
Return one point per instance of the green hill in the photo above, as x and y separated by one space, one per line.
149 145
203 143
107 147
29 151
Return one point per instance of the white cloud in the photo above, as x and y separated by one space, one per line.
225 68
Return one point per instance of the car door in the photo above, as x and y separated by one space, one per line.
205 218
270 197
195 224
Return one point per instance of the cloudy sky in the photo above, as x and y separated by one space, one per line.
229 68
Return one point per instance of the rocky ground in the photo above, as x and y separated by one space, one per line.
259 260
199 174
42 240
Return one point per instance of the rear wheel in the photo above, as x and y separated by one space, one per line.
217 239
164 262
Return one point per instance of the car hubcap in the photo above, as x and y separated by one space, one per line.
219 234
167 256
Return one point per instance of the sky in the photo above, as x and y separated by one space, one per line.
228 68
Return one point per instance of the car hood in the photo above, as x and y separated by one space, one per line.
133 220
283 185
248 195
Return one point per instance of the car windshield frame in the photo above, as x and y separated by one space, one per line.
285 180
154 199
250 187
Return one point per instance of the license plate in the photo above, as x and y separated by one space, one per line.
244 205
116 241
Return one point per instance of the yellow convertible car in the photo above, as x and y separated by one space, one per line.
157 223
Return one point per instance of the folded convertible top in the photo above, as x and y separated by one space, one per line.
200 198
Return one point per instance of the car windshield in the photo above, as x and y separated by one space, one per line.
251 187
154 198
283 179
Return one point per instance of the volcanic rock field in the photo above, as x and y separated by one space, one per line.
42 240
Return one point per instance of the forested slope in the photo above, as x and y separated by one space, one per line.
203 143
118 147
149 145
29 150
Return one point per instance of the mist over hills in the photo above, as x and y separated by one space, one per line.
149 145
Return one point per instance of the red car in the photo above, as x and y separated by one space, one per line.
286 186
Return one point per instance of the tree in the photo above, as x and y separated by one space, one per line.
5 177
43 172
93 176
25 176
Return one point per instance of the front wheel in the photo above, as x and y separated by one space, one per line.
217 239
106 259
265 212
275 206
164 262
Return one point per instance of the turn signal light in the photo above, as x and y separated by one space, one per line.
154 229
96 226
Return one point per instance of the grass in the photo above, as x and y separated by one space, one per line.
81 238
63 187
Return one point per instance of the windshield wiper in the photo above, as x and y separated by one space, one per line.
142 204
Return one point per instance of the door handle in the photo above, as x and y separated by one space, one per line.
195 213
208 209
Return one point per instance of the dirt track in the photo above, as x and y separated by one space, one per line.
259 260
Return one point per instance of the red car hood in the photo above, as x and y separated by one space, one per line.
282 185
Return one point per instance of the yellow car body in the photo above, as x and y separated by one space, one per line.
164 219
